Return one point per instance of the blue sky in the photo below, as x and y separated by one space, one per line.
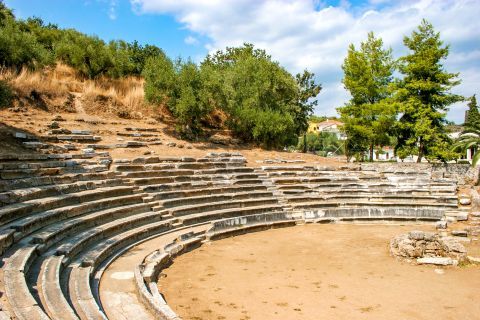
311 34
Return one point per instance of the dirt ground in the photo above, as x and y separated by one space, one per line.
317 272
35 122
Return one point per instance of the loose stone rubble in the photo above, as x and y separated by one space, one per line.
428 248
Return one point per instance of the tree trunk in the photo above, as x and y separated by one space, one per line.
305 142
371 153
420 151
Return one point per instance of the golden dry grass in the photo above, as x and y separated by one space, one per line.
121 97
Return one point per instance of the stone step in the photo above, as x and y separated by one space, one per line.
81 294
57 231
50 292
72 246
26 194
20 210
392 198
359 203
228 213
206 207
211 199
23 304
206 191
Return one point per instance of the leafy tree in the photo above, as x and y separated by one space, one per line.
19 48
308 90
323 142
261 99
88 54
469 139
367 116
160 78
424 96
473 116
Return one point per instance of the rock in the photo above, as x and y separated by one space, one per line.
189 146
135 144
465 201
148 152
441 224
459 233
416 235
452 245
440 261
439 271
58 118
88 151
171 144
473 259
20 135
54 125
475 214
180 145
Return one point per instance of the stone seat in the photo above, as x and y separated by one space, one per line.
35 181
50 292
158 173
72 246
202 199
204 191
20 210
363 186
392 198
24 226
59 230
229 204
228 213
366 203
194 178
81 295
26 194
23 304
192 185
387 213
365 191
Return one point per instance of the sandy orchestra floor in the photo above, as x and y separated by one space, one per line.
317 272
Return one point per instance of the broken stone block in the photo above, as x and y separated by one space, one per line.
441 224
459 233
440 261
465 201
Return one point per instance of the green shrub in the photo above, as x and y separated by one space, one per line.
6 95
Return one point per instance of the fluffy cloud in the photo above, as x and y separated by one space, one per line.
308 34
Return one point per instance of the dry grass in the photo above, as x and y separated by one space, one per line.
121 97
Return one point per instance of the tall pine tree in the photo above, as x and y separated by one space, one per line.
424 96
367 116
473 116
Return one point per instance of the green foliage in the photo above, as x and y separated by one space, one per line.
368 116
19 48
424 96
469 139
265 104
473 116
160 80
6 95
87 54
322 143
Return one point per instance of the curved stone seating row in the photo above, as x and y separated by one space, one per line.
68 236
60 228
385 191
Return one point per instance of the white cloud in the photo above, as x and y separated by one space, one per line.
191 40
307 34
112 9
